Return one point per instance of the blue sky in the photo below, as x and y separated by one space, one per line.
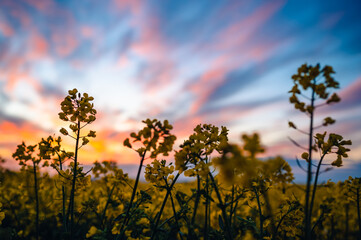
222 62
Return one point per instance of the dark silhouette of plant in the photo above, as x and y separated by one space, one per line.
353 186
79 111
23 154
317 83
194 160
240 167
155 139
50 149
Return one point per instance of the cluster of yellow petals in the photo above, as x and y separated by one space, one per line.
157 172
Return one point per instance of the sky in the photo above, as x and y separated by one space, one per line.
228 63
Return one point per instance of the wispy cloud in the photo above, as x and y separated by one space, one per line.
227 63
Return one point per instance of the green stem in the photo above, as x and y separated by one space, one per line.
281 220
260 213
173 207
205 236
72 193
106 206
346 221
231 210
126 219
309 169
358 211
269 212
196 202
158 216
63 196
315 183
36 200
223 208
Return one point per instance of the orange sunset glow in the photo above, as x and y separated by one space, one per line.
228 64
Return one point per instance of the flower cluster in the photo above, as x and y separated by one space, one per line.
334 144
201 144
308 78
110 172
2 214
155 137
78 109
24 153
158 172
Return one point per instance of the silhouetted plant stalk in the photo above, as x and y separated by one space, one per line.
48 148
196 202
318 82
156 139
308 212
158 216
112 177
353 191
196 151
206 208
72 192
63 194
173 207
358 211
23 154
77 109
36 199
126 218
222 206
259 213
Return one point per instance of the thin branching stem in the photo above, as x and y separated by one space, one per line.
196 202
309 170
205 235
158 216
126 219
315 183
173 207
358 211
72 192
223 208
106 205
36 200
259 213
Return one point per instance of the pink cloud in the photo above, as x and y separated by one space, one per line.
14 77
12 135
240 33
135 6
150 44
184 127
351 95
6 29
41 5
236 36
38 46
87 31
206 85
64 43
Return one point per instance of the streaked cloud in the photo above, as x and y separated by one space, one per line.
226 63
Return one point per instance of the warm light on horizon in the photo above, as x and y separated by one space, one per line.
228 64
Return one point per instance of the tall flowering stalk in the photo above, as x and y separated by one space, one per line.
51 149
161 175
79 111
315 85
195 152
23 154
155 139
240 167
